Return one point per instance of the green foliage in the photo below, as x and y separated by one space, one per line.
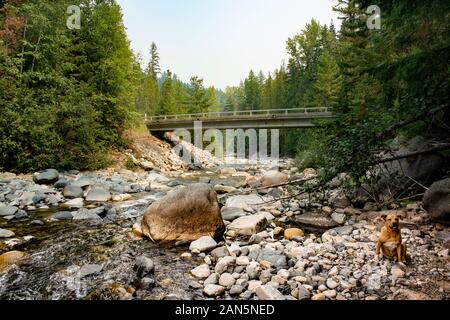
65 95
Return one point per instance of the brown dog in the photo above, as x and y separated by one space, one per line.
390 244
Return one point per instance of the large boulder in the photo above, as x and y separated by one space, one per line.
437 201
49 176
422 168
273 178
185 214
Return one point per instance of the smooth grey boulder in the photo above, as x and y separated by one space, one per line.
98 195
49 176
72 192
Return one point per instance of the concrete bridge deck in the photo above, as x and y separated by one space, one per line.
256 119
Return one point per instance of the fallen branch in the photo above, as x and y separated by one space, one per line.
293 182
413 154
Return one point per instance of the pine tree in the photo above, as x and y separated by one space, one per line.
328 82
213 102
168 104
153 68
252 91
267 101
199 100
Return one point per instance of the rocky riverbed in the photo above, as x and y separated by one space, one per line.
70 235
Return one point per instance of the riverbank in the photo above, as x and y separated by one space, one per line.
79 249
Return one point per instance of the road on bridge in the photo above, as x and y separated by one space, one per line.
251 119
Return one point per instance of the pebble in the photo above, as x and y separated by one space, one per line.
267 292
6 233
226 280
213 290
201 271
318 296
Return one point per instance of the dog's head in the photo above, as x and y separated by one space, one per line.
392 221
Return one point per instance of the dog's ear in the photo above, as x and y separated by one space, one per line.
384 216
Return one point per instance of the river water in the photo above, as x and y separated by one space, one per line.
95 259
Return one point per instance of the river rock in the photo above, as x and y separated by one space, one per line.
332 284
249 225
219 188
226 280
213 290
437 201
156 177
374 282
273 178
220 252
89 269
422 168
242 261
205 243
61 183
267 292
74 203
121 197
245 202
224 263
72 192
315 220
227 171
11 258
98 195
49 176
6 233
212 279
230 213
291 233
8 211
338 199
186 214
319 296
236 289
303 293
86 214
144 266
82 182
63 215
275 257
338 217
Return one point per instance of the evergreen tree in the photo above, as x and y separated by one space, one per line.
153 68
252 91
168 104
328 82
199 101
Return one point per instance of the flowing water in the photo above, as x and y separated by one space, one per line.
61 252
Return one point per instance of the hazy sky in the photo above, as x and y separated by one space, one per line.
219 40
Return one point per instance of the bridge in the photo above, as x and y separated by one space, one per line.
248 119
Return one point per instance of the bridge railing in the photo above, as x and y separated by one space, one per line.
240 113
